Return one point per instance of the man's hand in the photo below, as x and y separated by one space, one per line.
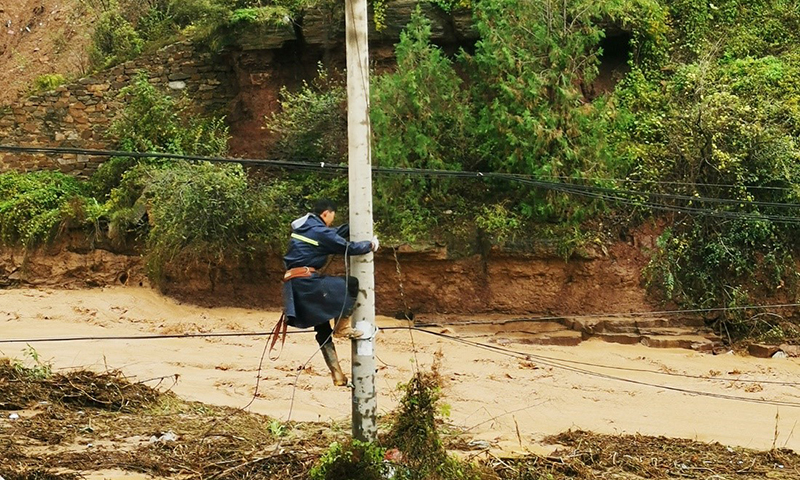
375 244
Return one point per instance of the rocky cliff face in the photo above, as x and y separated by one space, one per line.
267 58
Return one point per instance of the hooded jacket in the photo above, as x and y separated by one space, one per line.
311 301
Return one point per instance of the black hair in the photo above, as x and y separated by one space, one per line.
324 204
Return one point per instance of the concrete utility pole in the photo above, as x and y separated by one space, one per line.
360 176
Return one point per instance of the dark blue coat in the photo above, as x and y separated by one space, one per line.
314 300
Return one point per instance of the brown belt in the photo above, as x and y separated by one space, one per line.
298 272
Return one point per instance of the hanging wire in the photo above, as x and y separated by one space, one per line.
624 197
559 365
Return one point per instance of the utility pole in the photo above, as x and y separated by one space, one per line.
360 183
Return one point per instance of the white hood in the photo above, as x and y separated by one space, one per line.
297 223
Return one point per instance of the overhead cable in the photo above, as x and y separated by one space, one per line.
557 364
422 328
589 191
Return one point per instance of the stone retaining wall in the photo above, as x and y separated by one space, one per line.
79 114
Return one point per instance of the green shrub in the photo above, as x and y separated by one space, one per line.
414 432
312 122
736 28
258 15
421 115
421 118
154 122
38 370
198 210
137 191
532 116
34 206
157 24
450 5
219 23
114 41
719 128
48 81
202 15
355 459
497 221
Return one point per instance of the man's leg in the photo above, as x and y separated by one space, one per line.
324 333
343 328
352 287
325 341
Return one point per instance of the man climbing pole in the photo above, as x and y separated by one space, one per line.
311 299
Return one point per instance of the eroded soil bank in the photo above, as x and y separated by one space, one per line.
426 281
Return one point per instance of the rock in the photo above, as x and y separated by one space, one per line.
177 76
762 350
464 25
265 37
325 26
791 350
479 444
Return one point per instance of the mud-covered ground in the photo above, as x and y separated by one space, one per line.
86 425
504 399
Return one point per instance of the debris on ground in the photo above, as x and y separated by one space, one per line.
66 426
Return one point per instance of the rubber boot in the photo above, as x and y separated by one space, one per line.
332 360
344 330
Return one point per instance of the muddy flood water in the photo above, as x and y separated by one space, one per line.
499 390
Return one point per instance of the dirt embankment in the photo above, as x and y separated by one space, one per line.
422 282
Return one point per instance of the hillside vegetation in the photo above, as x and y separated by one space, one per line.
700 135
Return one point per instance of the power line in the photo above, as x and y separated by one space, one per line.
556 364
668 374
613 314
422 328
672 196
140 337
667 182
549 361
310 163
589 191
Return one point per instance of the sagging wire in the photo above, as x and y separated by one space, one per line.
307 163
556 364
420 327
550 361
258 374
595 192
141 337
406 310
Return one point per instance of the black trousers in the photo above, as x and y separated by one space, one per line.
325 330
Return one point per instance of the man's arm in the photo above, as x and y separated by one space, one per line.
333 243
